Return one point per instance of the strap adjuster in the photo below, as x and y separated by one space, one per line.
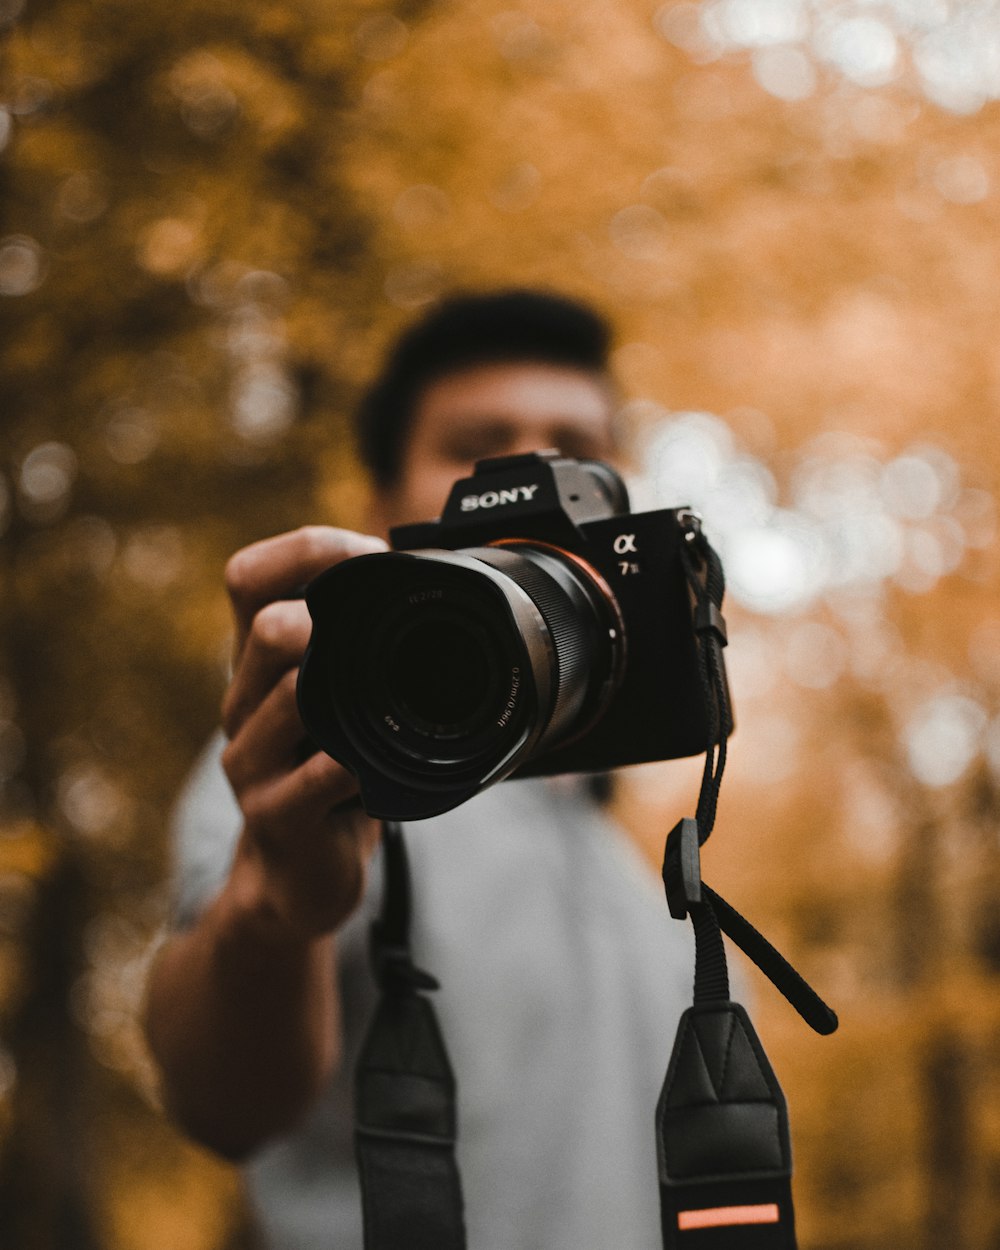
709 620
682 868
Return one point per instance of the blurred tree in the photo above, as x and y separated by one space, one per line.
185 279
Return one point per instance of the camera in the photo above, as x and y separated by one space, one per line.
538 627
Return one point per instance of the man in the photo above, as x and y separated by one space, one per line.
562 976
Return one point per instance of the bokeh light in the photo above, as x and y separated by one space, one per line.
22 265
855 519
943 738
47 475
950 52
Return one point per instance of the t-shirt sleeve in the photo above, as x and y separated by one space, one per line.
204 827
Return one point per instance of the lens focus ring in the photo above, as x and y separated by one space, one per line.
567 614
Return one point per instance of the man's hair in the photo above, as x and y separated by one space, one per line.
502 327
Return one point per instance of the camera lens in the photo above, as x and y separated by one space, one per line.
433 673
439 675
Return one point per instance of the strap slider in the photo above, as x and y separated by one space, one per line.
682 868
708 619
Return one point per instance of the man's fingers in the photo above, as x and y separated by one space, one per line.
269 739
274 645
280 567
299 801
290 808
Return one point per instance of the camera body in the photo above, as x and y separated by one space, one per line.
538 627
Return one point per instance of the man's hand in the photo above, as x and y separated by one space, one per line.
300 865
242 1011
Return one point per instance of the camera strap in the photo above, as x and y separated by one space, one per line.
405 1115
722 1137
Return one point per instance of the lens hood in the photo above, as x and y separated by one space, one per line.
429 675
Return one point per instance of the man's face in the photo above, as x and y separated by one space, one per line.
496 410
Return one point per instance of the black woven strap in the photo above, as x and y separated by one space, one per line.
773 964
711 916
721 1123
687 895
405 1112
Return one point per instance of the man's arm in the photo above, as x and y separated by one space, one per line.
242 1014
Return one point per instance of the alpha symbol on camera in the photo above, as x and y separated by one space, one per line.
624 543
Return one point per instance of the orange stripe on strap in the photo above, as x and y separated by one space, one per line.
720 1217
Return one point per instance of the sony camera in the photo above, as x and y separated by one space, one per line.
538 627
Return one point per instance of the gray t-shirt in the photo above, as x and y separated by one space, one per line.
562 980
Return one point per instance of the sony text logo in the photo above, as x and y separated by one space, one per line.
496 498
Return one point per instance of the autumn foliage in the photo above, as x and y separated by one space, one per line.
212 218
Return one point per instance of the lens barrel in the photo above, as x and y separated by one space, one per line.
431 674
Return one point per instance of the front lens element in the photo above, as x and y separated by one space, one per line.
439 676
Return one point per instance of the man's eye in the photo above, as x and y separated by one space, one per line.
480 447
461 453
580 448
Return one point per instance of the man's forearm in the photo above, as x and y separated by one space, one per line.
243 1021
